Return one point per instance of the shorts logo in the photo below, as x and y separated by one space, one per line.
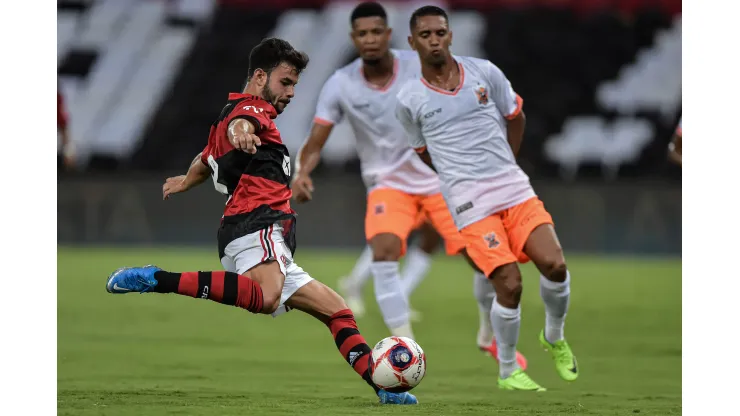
379 209
482 95
285 260
491 240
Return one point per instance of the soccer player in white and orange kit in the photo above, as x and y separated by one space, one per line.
401 188
466 122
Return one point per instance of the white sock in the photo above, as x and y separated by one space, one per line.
414 270
484 293
506 324
403 331
556 296
361 272
392 302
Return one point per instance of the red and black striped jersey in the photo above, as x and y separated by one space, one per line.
258 185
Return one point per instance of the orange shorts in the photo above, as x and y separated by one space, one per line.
500 238
398 213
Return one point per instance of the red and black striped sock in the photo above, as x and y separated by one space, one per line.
351 343
223 287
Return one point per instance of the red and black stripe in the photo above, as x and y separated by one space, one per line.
219 286
351 343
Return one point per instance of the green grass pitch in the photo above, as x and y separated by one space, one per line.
171 355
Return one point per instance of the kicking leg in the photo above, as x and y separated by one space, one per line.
257 291
321 302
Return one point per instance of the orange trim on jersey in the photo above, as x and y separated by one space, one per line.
323 122
421 149
440 90
388 84
519 103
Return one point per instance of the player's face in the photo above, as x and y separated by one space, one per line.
371 37
431 38
280 86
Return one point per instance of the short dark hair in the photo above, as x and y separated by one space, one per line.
427 11
271 52
368 9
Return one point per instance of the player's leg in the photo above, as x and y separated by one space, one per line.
351 285
533 237
436 210
223 287
389 218
321 302
488 247
252 282
419 258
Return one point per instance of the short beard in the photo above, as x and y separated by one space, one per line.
267 93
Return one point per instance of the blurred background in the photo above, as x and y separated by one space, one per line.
140 82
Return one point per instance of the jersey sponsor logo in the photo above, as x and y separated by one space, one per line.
491 240
379 209
253 108
432 113
482 94
464 207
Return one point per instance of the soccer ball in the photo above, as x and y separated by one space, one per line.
397 364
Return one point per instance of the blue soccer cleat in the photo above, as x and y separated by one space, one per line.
396 398
132 279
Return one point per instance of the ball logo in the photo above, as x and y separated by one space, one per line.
404 357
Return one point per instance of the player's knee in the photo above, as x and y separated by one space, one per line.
386 247
508 282
554 267
270 302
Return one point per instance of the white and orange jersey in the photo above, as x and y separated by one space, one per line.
387 160
465 132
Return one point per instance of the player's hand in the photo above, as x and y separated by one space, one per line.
246 142
173 186
302 188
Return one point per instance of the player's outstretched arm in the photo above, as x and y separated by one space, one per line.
242 135
197 174
307 160
515 128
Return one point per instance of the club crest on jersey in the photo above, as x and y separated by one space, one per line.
491 240
482 94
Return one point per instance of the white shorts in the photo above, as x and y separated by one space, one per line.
246 252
